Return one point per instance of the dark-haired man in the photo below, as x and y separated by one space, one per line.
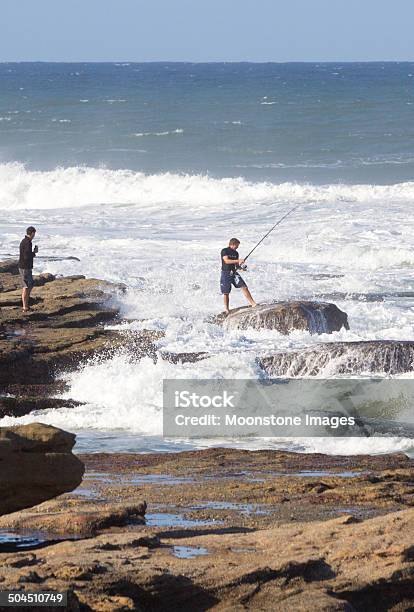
26 266
230 262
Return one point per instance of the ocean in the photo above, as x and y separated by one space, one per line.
144 172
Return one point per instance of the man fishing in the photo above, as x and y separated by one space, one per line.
230 262
26 266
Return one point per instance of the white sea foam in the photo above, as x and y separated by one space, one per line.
167 133
82 186
126 394
161 235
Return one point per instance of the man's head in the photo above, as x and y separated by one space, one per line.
30 232
234 243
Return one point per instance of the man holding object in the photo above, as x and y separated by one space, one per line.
26 266
230 262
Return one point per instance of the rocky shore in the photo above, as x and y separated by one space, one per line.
65 327
68 325
69 321
223 529
216 529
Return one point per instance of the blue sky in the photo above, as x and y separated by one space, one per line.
207 30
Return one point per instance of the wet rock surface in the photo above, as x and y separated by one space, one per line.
227 530
216 529
25 404
36 464
63 324
65 518
65 327
387 356
366 297
315 317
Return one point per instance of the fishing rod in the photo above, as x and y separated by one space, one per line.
271 230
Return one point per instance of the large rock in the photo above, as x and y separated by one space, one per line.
315 317
36 464
373 356
9 266
64 327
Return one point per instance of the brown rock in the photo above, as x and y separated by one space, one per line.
64 327
36 463
388 356
20 406
9 266
279 560
315 317
333 565
62 518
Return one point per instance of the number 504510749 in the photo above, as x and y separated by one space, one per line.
32 598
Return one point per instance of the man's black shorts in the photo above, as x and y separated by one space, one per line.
229 278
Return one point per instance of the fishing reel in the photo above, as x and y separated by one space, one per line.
243 268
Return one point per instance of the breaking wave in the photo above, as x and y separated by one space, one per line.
21 188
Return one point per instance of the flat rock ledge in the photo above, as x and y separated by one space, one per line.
371 356
336 565
63 325
225 529
65 328
36 464
285 317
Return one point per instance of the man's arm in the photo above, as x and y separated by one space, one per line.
227 260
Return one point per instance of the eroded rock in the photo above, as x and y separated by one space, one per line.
373 356
65 518
20 406
64 328
324 566
315 317
36 464
281 557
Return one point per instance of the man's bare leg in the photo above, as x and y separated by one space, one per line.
226 298
26 298
248 296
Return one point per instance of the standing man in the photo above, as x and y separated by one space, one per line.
26 266
229 276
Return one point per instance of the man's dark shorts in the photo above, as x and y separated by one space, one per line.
26 276
228 279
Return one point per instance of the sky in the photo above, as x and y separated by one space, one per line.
207 30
